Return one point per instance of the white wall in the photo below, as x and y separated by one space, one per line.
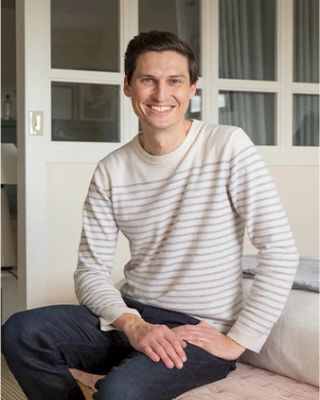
298 187
64 209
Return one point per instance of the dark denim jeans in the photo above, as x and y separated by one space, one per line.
40 346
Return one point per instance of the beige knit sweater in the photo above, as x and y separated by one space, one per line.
185 214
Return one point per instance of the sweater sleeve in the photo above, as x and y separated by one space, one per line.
255 199
93 277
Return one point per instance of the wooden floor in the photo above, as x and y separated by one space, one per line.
10 390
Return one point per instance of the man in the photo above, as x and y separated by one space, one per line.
182 192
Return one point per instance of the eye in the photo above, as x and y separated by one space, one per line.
175 81
147 80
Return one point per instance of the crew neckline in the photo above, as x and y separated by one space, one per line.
162 159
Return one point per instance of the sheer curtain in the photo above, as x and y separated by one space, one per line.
188 21
246 51
306 69
306 120
306 41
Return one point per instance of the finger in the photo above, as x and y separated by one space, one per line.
175 351
162 353
150 353
178 335
171 339
170 350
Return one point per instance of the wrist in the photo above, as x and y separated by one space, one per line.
127 322
237 348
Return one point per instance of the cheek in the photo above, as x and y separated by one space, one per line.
183 96
142 94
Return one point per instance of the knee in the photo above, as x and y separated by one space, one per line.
21 330
11 330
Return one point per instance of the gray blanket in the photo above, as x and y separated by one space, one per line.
307 276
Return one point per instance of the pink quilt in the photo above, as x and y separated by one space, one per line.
245 383
250 383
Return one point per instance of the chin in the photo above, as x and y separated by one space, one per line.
160 126
165 123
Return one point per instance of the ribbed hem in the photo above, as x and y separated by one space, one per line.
107 320
249 339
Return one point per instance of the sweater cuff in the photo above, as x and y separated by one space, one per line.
107 320
249 339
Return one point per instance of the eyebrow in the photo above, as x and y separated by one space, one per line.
142 75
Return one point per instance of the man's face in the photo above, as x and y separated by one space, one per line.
160 89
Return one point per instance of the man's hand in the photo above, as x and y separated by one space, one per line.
211 340
158 342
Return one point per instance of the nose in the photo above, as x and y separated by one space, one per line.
160 93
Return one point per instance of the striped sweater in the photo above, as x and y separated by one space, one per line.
185 214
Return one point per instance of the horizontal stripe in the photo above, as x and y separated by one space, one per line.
188 182
165 181
183 213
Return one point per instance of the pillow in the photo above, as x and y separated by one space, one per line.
292 348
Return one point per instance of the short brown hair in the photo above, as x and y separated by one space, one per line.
158 41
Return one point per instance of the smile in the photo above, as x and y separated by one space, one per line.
161 109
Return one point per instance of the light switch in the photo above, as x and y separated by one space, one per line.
35 123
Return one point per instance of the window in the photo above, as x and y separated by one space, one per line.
85 74
85 112
180 17
259 67
85 37
247 50
259 72
305 70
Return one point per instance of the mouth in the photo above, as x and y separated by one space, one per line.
160 109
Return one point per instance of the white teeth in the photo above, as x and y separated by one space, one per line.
161 108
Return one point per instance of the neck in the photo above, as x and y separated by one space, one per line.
159 143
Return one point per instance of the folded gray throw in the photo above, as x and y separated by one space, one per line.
307 276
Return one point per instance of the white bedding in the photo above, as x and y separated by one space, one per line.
292 348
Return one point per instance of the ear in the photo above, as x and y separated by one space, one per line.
126 87
193 89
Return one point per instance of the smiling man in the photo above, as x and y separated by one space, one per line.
182 192
160 90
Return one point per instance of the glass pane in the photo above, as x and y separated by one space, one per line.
195 107
85 35
305 120
253 112
84 112
181 17
247 39
306 41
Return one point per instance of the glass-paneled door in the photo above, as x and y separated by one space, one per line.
86 38
70 69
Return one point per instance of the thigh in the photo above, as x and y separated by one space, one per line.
68 334
139 378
